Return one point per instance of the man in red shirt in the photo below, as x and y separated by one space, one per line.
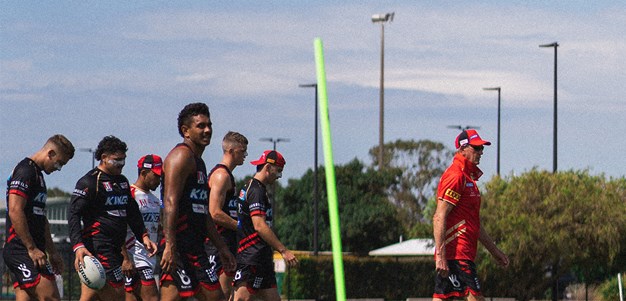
456 223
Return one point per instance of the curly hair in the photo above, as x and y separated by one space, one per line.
190 110
110 144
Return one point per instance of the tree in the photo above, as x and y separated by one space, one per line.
57 192
368 220
551 224
422 163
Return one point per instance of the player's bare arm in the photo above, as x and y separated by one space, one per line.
228 260
56 261
177 167
270 238
493 249
439 230
220 184
16 213
128 267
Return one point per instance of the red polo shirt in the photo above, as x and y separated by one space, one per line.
458 187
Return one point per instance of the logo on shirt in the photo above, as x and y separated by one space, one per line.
150 217
107 186
199 208
40 198
124 185
81 192
201 178
19 184
453 194
116 200
39 211
198 194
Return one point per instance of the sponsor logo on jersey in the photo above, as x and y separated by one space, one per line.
39 211
198 194
199 208
118 213
116 200
124 185
150 217
40 198
19 184
469 184
201 178
453 194
107 186
79 192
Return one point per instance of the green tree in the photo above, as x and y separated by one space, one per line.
421 164
368 220
57 192
550 225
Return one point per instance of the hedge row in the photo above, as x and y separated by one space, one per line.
365 277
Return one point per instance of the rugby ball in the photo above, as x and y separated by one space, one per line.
92 273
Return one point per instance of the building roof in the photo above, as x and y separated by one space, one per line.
411 247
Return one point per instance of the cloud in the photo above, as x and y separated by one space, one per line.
195 77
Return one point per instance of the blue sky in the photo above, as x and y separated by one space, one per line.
88 69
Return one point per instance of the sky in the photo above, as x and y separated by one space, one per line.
87 69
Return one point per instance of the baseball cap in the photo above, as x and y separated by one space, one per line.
469 136
152 162
272 157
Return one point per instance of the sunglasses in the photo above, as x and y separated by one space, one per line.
477 148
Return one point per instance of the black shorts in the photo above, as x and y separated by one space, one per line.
461 281
256 277
23 270
216 261
191 270
111 259
143 275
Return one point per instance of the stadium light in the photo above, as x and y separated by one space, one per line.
382 19
463 128
554 143
498 148
93 154
274 141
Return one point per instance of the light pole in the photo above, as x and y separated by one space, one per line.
274 141
382 19
463 128
92 152
554 158
498 148
315 186
555 285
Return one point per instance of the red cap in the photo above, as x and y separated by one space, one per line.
469 136
152 162
271 157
